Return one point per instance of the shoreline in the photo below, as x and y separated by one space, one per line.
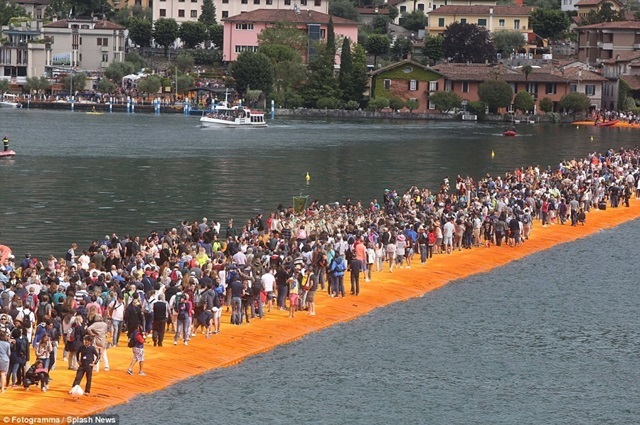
168 365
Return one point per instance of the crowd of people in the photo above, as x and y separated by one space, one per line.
179 282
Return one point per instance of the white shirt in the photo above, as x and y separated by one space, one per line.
118 310
268 280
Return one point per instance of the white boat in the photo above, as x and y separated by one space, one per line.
235 116
9 101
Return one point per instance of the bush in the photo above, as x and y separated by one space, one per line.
396 103
328 103
294 101
352 105
412 104
378 104
546 105
477 108
205 57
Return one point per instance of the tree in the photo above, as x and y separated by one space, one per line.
574 103
359 76
377 44
34 84
331 43
117 70
445 100
208 13
216 35
343 9
4 86
192 33
414 21
468 43
106 86
524 101
321 82
140 31
185 82
8 10
288 70
150 84
380 24
184 62
401 48
433 48
396 103
546 105
123 16
285 34
508 41
165 32
496 94
393 13
74 82
79 8
252 70
412 104
346 70
527 70
549 23
604 14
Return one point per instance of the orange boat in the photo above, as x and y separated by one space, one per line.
606 123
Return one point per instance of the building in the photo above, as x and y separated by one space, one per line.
23 53
121 4
426 6
189 10
604 41
241 31
584 7
89 44
493 18
406 80
583 80
623 67
35 8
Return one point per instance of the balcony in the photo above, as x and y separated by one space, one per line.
605 46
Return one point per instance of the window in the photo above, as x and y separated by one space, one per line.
287 2
225 13
303 2
441 22
243 1
433 86
163 12
413 85
387 84
180 1
573 88
501 23
551 88
317 2
482 22
403 9
431 105
103 41
240 49
323 33
590 89
225 1
194 13
516 24
244 26
105 57
180 13
80 43
463 20
465 87
532 88
421 7
256 1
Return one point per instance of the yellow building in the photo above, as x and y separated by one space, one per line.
586 6
121 4
493 18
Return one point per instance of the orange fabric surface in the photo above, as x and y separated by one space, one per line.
619 124
170 364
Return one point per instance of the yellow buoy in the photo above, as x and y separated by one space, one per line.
577 127
308 177
592 138
493 154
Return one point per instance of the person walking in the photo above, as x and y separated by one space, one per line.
87 357
98 331
137 347
5 353
160 318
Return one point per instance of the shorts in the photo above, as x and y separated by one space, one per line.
138 354
217 312
271 295
293 299
310 296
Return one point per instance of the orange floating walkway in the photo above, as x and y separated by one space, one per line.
619 124
169 364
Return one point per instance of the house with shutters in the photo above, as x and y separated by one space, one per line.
493 18
406 80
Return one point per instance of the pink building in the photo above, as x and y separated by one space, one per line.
241 31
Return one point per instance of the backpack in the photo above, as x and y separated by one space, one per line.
42 311
198 299
132 340
340 266
30 300
177 301
182 311
26 318
71 334
174 276
526 219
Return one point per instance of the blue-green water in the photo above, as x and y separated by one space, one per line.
549 339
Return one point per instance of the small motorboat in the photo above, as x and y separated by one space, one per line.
509 133
7 154
606 123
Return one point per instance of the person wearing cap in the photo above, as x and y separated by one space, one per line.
5 143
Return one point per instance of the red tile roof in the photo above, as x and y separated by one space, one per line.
632 80
596 2
631 25
99 25
483 10
289 15
574 73
623 57
480 72
402 63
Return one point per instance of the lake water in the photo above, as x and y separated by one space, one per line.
549 339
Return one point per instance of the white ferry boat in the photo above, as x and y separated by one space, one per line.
235 116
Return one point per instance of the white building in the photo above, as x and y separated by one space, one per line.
189 10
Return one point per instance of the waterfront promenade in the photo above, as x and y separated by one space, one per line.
170 364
